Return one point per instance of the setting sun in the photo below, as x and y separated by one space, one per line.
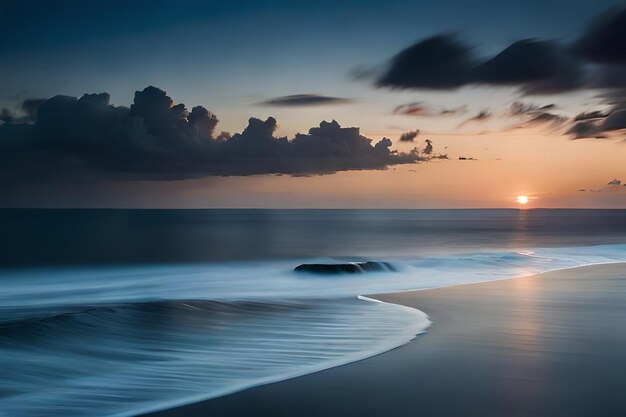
522 199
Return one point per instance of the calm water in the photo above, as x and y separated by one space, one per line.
114 312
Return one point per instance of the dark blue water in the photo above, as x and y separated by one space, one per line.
69 237
117 312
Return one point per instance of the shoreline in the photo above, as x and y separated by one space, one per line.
239 403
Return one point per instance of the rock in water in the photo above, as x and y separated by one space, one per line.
347 268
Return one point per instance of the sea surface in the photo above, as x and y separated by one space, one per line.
118 312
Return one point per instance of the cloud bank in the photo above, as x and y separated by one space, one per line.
73 139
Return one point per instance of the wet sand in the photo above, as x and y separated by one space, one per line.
548 345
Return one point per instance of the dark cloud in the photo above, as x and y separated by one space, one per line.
428 148
535 66
615 121
480 117
554 120
604 44
534 115
519 108
439 62
600 128
412 109
419 108
548 117
409 136
586 129
304 100
605 41
453 110
591 115
602 124
25 113
444 62
524 114
615 98
608 76
87 138
597 60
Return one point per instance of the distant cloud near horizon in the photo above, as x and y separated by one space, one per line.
87 138
409 136
421 109
535 115
479 117
611 186
304 100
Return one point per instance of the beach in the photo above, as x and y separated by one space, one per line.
313 208
545 345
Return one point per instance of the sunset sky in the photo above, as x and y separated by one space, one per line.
530 95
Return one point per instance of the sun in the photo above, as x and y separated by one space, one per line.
522 199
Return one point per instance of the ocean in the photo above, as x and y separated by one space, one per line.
119 312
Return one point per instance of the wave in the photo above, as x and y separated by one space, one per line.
125 359
121 341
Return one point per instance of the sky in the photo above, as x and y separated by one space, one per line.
359 104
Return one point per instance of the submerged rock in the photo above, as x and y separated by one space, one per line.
347 268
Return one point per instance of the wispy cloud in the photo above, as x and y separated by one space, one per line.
304 100
422 109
